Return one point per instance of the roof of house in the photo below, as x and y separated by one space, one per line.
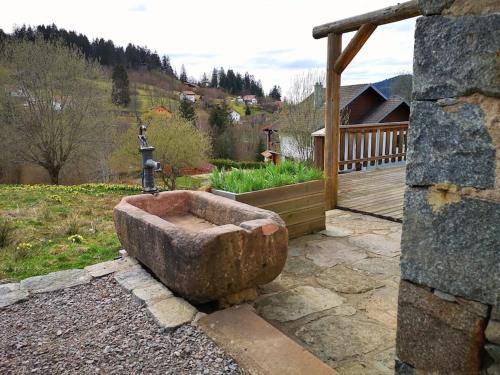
249 97
380 112
188 93
377 114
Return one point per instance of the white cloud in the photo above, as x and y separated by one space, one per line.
270 39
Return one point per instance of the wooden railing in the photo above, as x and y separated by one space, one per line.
367 144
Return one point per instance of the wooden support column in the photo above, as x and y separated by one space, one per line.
332 121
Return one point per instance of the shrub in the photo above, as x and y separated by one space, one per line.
241 181
6 232
76 238
22 250
227 164
73 227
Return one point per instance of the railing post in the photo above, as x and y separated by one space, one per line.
377 147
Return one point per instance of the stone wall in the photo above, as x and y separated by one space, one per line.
449 298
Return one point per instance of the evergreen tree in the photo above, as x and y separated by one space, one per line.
275 93
214 81
120 93
166 67
222 79
204 80
187 111
183 77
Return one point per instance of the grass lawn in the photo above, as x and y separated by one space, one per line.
55 228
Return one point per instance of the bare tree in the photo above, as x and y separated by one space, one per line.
58 113
301 116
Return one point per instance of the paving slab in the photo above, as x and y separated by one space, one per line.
357 258
11 293
382 306
297 303
301 267
358 336
55 281
329 253
172 312
105 268
259 347
383 267
346 280
387 245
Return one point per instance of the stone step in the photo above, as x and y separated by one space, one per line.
257 346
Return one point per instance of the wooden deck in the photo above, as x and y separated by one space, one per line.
378 192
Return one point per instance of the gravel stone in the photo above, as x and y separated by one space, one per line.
98 328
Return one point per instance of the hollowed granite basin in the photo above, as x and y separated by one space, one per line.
202 246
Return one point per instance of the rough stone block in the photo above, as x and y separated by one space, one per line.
493 351
402 368
495 311
456 56
433 7
493 332
135 277
11 293
172 312
451 243
436 336
151 294
471 7
450 145
55 281
494 369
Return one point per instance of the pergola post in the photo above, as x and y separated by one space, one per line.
332 121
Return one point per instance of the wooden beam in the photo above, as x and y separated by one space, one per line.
332 122
354 46
394 13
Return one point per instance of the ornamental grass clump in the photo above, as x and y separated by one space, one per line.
242 181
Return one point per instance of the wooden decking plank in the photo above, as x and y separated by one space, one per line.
379 192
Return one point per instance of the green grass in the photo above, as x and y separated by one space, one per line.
242 181
41 225
42 219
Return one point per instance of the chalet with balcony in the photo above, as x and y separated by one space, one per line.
373 126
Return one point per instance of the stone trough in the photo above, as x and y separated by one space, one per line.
203 247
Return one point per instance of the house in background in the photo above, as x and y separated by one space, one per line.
250 99
359 104
188 95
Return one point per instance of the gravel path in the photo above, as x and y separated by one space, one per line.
100 329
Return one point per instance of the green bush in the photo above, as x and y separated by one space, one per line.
285 173
6 232
227 164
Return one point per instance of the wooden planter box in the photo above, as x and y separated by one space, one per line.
301 206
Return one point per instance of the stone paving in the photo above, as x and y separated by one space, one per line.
337 295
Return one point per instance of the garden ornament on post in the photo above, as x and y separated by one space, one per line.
149 166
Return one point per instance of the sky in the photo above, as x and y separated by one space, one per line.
271 39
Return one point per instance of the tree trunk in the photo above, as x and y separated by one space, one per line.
54 175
